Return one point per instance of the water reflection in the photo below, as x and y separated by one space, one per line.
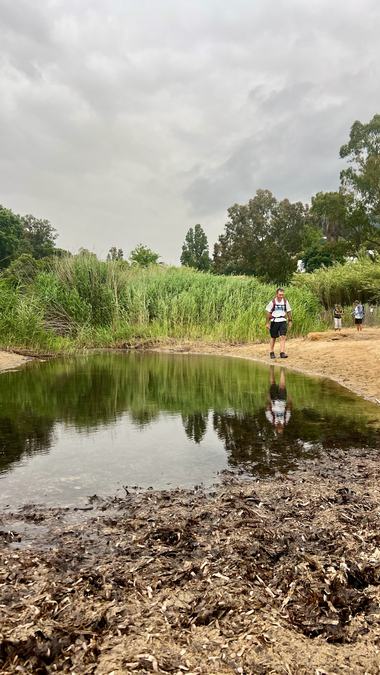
279 405
263 418
195 426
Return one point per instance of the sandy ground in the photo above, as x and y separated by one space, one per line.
8 360
348 357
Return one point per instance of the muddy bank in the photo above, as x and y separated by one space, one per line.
350 358
280 575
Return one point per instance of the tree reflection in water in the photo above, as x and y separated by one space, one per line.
195 426
261 421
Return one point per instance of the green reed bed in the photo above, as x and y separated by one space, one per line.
343 283
83 302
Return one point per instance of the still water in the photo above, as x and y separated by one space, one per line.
70 428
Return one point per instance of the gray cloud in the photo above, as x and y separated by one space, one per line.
125 121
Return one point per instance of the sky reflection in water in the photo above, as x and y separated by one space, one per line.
73 427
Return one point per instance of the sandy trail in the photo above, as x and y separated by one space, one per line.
348 357
8 360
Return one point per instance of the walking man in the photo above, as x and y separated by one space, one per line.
279 314
358 315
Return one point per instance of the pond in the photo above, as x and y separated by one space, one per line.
74 427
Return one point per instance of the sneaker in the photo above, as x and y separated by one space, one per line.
283 355
272 355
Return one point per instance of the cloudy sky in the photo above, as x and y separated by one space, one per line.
127 121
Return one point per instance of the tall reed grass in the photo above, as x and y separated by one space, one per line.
343 283
85 302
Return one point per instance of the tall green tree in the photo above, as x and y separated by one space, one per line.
143 256
11 236
341 216
262 238
195 251
362 177
329 212
39 236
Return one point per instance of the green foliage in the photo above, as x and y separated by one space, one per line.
261 238
195 251
143 256
11 234
39 236
21 319
85 302
22 270
362 177
343 283
27 235
325 254
342 217
329 212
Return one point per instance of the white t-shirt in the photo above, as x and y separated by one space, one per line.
281 307
278 414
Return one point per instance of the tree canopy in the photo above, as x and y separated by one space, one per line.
24 235
261 238
362 177
143 256
11 236
195 252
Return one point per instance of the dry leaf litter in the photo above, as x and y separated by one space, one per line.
280 575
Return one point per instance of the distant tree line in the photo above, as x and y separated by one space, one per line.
27 243
267 237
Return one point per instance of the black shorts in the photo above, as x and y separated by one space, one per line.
277 393
358 320
277 329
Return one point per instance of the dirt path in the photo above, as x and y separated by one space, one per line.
349 357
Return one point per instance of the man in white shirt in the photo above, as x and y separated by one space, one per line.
279 314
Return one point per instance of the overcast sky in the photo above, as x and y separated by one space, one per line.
127 121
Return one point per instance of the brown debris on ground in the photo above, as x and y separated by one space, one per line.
280 575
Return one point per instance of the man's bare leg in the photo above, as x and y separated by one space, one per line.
272 379
282 343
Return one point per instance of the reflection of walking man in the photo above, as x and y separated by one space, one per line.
279 406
